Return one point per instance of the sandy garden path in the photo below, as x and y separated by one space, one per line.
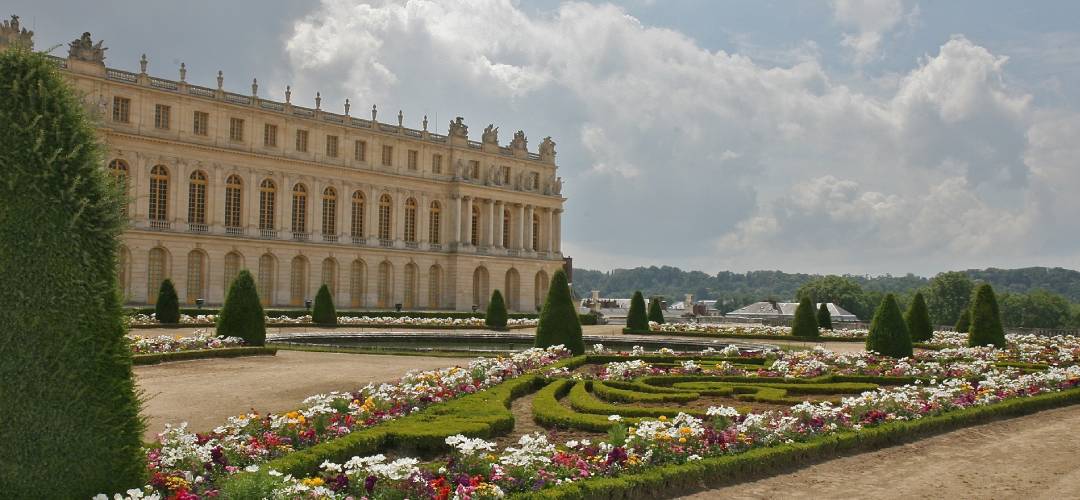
1027 457
205 392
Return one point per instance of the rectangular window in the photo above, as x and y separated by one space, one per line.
201 125
270 135
436 164
121 109
504 176
360 151
161 116
301 140
331 146
414 159
236 129
474 169
388 156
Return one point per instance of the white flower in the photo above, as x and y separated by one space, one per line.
722 411
614 418
252 468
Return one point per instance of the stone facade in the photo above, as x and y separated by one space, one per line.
221 181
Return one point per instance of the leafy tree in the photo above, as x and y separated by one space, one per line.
656 313
496 312
986 326
964 322
70 426
1035 309
824 317
559 322
323 312
805 324
888 334
242 315
636 320
167 307
918 320
948 296
839 290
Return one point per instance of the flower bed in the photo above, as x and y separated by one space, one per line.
200 340
148 320
747 331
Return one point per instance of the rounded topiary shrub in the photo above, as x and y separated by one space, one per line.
805 323
242 315
167 307
964 322
559 323
824 317
636 318
918 320
323 312
888 333
985 326
70 426
656 313
496 316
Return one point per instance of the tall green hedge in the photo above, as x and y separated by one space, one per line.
70 425
986 326
824 317
805 324
964 322
167 307
918 320
636 319
242 316
323 312
656 313
888 333
559 322
496 316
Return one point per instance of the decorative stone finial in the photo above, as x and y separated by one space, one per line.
400 118
183 72
83 49
288 94
318 100
142 64
254 87
374 113
425 123
220 80
347 106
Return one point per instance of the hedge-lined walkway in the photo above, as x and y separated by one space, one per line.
205 392
1033 456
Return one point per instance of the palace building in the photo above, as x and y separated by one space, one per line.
381 213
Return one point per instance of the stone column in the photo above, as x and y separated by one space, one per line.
549 241
498 222
466 236
556 234
315 193
399 217
372 214
215 200
283 206
423 217
251 202
528 228
521 227
489 233
454 215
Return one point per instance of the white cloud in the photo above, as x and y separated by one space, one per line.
873 20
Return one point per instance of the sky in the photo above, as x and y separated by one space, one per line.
862 137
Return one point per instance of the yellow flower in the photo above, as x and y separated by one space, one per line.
685 430
663 418
312 481
682 440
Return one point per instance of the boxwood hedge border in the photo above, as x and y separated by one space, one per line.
223 352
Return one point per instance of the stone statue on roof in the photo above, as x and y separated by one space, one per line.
458 128
547 148
84 49
12 34
519 141
491 135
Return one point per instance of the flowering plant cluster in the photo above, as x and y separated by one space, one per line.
210 319
747 329
164 343
185 319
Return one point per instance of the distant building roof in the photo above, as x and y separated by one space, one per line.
766 310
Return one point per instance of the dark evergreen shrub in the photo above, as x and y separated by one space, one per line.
805 324
167 307
496 316
559 322
918 320
656 313
964 322
323 312
242 315
888 332
636 319
986 326
824 317
70 426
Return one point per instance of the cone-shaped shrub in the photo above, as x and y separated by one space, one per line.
888 332
986 326
559 323
805 324
496 316
918 320
242 315
824 317
167 307
636 318
70 426
656 313
964 323
323 312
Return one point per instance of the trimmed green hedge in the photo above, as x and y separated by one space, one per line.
613 394
588 319
549 412
224 352
582 400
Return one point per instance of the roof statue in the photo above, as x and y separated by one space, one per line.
491 135
12 34
547 149
458 128
84 49
519 141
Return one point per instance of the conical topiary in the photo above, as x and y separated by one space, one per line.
167 307
70 426
805 324
656 313
986 326
918 320
964 322
824 317
888 333
496 316
559 323
323 312
636 318
242 315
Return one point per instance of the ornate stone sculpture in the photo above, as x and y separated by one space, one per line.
547 149
558 185
83 49
458 168
458 128
519 141
12 34
491 135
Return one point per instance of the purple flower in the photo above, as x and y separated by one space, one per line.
369 484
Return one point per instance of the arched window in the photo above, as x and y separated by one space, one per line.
267 273
267 195
385 207
410 220
124 272
155 273
299 209
329 275
196 276
386 276
357 283
233 264
512 289
298 277
119 171
159 193
357 214
434 220
474 233
540 289
435 287
480 287
329 211
411 280
197 198
233 189
535 232
506 229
